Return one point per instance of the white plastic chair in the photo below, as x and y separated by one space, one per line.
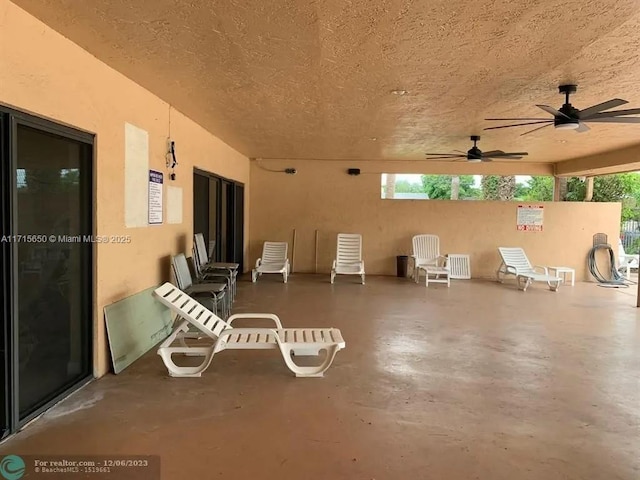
515 262
426 253
626 261
348 259
300 341
273 260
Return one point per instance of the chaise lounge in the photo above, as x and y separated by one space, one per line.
515 262
297 341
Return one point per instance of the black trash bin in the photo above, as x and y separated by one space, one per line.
402 263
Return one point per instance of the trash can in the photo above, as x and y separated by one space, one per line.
402 262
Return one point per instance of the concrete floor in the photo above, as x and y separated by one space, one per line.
479 381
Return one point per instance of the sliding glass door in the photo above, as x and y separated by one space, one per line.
47 262
218 213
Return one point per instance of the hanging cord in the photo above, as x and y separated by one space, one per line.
616 279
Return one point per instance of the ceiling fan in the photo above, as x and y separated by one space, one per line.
570 118
474 154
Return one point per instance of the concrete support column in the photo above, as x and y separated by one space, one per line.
589 195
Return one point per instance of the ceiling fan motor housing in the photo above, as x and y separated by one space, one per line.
569 111
474 153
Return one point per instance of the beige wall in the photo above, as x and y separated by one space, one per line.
324 197
43 73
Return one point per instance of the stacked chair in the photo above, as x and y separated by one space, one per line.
213 283
207 268
212 293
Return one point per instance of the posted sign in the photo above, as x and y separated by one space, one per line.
530 218
155 197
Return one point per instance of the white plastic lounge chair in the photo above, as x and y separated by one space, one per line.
515 262
348 259
273 260
303 341
626 261
426 253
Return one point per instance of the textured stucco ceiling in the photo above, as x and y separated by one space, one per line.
312 79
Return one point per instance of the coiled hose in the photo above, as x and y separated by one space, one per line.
616 278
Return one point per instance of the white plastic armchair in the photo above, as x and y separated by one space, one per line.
273 260
426 253
348 259
627 261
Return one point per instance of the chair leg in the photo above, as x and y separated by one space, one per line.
333 277
316 371
254 275
362 278
178 371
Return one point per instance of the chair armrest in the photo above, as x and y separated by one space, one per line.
510 269
544 269
333 265
258 261
270 316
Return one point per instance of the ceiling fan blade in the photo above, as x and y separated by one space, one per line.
614 113
507 157
459 151
548 122
492 153
582 127
552 111
510 154
516 119
616 102
613 120
536 129
447 157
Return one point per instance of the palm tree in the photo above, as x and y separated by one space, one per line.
455 187
390 186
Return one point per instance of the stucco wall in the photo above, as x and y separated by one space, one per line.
43 73
321 196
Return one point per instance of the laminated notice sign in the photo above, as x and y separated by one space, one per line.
155 197
530 218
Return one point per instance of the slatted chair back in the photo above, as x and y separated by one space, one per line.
349 248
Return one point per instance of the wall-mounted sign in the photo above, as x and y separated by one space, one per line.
155 197
530 218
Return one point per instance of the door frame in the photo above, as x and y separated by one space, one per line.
11 118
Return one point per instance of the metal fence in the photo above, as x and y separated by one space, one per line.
630 236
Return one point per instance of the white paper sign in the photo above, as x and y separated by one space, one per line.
136 168
174 204
155 197
530 218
